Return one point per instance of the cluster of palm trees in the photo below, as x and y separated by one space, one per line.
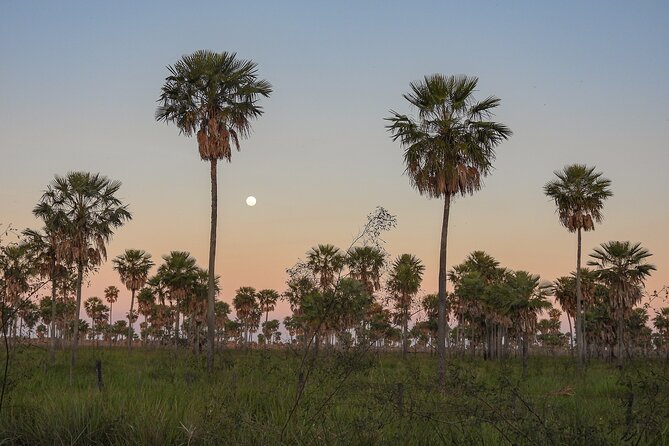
339 298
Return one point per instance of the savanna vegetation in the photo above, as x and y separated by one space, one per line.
365 357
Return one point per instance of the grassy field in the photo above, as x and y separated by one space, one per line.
164 397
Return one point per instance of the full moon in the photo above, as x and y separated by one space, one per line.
251 201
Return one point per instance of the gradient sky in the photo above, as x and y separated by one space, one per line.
579 82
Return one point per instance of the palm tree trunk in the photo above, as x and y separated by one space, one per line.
52 347
75 341
441 320
111 307
525 353
571 335
176 327
579 309
212 265
132 304
620 338
405 327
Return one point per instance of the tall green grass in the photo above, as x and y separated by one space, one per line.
165 397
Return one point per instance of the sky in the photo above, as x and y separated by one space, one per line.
579 82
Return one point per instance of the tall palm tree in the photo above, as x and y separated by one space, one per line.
406 276
267 300
86 208
365 264
579 193
622 267
325 261
111 296
133 268
448 148
215 97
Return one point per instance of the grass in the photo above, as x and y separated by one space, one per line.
165 397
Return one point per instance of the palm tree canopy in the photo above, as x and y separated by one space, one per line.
406 275
622 267
16 268
526 298
215 96
366 264
450 146
245 301
325 261
111 294
480 262
146 299
179 273
267 299
86 210
133 267
579 193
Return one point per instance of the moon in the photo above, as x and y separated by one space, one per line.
251 201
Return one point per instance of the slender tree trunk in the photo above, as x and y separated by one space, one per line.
75 341
52 347
441 320
405 327
176 327
130 314
579 309
111 307
525 353
212 266
621 322
571 336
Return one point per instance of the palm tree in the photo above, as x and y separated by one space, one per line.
472 302
267 300
661 323
111 296
579 193
86 209
564 289
405 279
44 245
179 275
97 311
16 269
133 268
222 312
245 304
622 267
449 147
215 97
325 262
365 264
527 297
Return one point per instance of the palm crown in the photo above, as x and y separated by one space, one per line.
84 206
621 265
133 267
579 193
452 143
215 96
